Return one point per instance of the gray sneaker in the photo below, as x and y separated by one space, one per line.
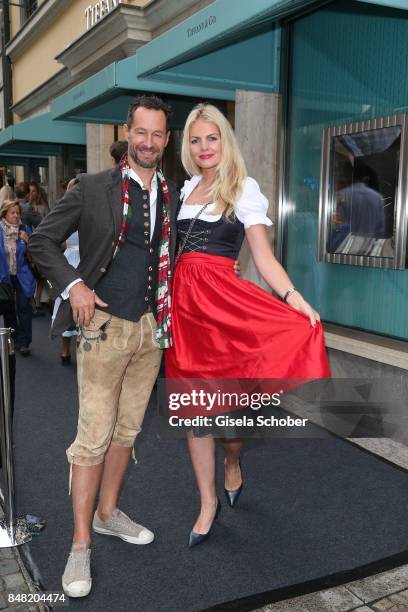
76 579
120 525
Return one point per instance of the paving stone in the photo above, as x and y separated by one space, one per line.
8 566
387 605
380 585
401 598
24 608
3 602
16 591
363 609
330 600
14 581
383 605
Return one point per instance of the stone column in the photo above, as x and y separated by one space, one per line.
55 176
257 127
19 173
98 140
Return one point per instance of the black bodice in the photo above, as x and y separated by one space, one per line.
221 237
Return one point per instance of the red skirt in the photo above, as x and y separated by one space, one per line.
227 327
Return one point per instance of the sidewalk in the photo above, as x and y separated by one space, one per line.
16 581
386 592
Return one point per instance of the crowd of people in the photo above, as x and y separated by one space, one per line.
22 208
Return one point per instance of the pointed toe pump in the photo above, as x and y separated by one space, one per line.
198 538
233 496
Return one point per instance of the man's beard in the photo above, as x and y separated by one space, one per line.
152 163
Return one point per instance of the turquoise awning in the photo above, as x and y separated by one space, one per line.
40 136
105 96
250 63
237 43
212 28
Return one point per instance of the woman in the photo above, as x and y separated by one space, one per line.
36 210
15 271
72 255
38 199
223 326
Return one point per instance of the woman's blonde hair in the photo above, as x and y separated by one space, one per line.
7 204
231 171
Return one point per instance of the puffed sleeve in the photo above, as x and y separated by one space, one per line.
252 205
189 185
183 189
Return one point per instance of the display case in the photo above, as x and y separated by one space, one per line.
363 192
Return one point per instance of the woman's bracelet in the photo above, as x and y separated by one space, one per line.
288 294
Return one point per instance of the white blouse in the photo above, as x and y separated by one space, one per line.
251 208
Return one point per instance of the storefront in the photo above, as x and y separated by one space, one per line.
300 80
58 46
28 147
326 77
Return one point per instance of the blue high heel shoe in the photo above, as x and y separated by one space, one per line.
197 538
233 496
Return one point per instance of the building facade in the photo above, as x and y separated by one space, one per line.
314 90
57 44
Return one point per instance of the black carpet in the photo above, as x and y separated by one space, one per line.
313 512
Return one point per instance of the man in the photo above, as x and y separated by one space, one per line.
29 216
118 356
117 150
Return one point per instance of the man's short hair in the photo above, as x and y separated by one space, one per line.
118 149
151 103
22 190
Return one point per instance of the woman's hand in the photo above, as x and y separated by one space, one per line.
23 236
296 301
237 267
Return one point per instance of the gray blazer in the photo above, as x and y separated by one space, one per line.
94 208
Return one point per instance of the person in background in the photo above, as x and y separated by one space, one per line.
6 193
38 198
29 216
38 204
11 181
34 523
15 270
72 255
22 190
117 150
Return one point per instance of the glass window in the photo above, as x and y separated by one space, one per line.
28 8
364 179
363 193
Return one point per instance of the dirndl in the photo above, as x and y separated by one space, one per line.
226 327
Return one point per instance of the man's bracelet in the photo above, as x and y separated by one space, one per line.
288 294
